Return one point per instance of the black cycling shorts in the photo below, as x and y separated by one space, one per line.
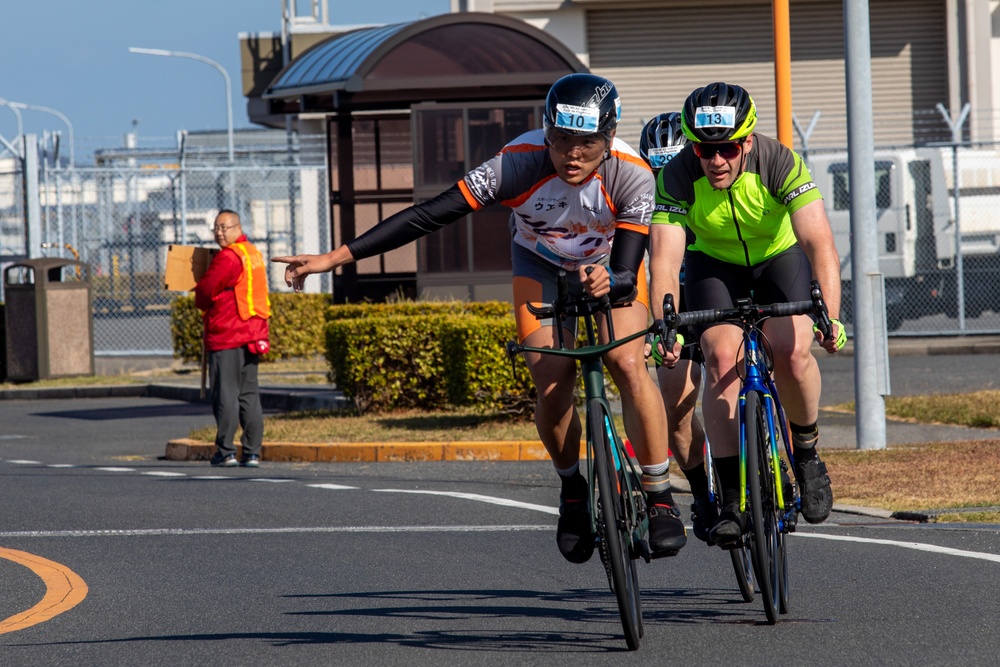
712 283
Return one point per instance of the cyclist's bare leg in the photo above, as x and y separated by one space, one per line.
556 419
797 373
795 367
679 386
646 425
642 405
720 345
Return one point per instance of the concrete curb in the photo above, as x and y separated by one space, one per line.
185 449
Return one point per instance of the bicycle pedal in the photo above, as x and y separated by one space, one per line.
664 554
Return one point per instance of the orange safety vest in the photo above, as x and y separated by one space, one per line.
251 289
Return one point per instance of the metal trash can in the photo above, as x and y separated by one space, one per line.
49 319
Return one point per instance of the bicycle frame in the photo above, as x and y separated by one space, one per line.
590 358
758 378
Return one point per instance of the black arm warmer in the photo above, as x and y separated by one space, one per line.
626 257
411 224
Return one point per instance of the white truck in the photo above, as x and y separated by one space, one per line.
916 228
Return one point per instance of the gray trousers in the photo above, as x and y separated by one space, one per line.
235 400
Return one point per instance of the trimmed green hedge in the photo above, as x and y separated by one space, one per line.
427 362
296 326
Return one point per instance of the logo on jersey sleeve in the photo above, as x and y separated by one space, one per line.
641 207
482 182
797 192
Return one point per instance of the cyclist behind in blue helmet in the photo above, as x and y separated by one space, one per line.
580 198
760 231
662 138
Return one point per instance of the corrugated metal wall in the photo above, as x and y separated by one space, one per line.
657 55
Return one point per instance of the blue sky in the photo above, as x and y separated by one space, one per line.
72 56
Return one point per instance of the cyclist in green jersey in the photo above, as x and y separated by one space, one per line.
661 140
760 230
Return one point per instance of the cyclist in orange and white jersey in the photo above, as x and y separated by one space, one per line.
579 198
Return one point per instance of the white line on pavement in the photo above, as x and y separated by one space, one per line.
918 546
111 469
334 487
475 496
155 532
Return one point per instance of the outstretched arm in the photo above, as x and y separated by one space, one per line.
393 232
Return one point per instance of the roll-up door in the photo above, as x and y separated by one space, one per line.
657 55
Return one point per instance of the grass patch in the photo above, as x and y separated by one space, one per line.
918 477
978 409
460 424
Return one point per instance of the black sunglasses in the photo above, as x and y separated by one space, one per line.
727 150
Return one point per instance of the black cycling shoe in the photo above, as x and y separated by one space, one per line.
573 534
666 530
703 516
814 485
729 528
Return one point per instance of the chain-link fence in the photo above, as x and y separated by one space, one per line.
939 253
122 219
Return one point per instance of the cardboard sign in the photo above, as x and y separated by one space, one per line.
186 264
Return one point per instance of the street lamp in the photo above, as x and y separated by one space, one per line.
207 61
60 116
20 123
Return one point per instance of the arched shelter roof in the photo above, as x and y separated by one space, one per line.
465 56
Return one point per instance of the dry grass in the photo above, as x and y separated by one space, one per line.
978 409
927 476
464 424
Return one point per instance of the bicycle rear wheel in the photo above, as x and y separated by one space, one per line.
613 530
763 531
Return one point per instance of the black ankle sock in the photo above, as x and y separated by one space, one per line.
698 480
574 486
728 468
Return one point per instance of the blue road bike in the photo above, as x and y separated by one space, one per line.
767 495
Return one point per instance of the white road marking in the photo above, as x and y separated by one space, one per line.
155 532
335 487
272 480
475 496
60 465
918 546
12 437
111 469
164 473
24 462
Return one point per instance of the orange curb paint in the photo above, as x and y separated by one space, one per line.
64 589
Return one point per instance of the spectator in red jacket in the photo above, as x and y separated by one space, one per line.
233 297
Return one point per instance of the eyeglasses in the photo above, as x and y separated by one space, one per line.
728 150
591 146
223 229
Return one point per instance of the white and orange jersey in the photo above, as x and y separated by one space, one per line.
568 225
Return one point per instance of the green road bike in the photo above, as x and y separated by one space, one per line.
767 494
617 502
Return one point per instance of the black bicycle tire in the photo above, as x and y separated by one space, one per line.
740 556
614 550
763 552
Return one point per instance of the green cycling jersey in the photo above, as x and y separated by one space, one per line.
749 221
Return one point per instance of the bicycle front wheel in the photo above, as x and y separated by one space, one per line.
612 528
765 547
739 552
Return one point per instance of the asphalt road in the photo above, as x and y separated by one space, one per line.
416 564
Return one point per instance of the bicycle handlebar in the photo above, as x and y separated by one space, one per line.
746 311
